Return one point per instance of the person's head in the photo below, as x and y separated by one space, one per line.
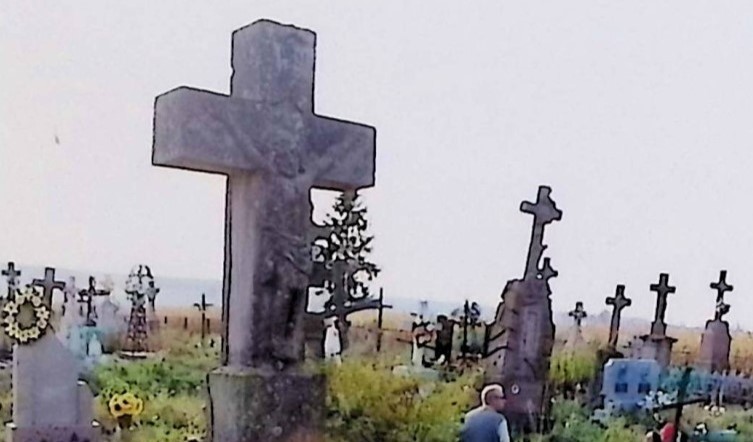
493 396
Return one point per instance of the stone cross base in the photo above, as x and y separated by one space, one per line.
656 347
253 405
87 433
715 345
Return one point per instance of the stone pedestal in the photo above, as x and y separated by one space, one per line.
656 347
253 405
715 345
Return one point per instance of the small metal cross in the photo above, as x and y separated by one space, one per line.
48 285
11 275
578 314
721 287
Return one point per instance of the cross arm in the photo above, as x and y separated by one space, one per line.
343 154
205 131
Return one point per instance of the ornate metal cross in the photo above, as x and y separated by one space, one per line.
618 302
544 211
48 285
11 275
578 314
721 287
662 289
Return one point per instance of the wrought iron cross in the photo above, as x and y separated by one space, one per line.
87 296
544 211
721 287
48 285
662 289
11 275
618 302
203 309
578 314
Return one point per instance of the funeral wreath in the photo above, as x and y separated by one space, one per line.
26 304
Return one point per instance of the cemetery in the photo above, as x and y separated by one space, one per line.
104 361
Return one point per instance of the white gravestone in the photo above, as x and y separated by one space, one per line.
49 401
332 343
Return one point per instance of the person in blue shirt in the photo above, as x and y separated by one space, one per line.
487 423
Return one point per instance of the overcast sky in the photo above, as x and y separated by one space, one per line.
638 114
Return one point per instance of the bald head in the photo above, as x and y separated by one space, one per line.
493 396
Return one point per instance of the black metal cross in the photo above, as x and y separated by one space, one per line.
11 275
662 289
203 309
86 296
544 211
578 314
48 285
618 302
721 287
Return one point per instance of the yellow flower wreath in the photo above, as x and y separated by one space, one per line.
25 335
125 405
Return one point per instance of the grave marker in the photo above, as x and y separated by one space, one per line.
656 345
618 303
522 335
716 339
273 148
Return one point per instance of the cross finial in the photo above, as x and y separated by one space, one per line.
578 314
662 289
48 285
721 288
547 272
11 275
618 302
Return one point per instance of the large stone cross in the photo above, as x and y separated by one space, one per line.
11 275
618 302
721 288
48 285
662 289
544 211
578 314
266 138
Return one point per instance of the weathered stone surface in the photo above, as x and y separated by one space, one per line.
715 346
274 149
716 339
252 405
522 335
47 394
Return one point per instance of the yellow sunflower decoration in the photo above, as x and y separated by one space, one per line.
124 407
26 316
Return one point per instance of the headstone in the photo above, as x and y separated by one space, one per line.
656 345
627 382
421 337
603 355
273 148
49 401
716 339
332 343
575 339
111 325
522 335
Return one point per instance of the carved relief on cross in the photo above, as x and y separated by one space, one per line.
618 302
662 289
544 211
273 148
578 314
721 288
11 276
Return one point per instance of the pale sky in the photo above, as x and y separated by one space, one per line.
638 114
